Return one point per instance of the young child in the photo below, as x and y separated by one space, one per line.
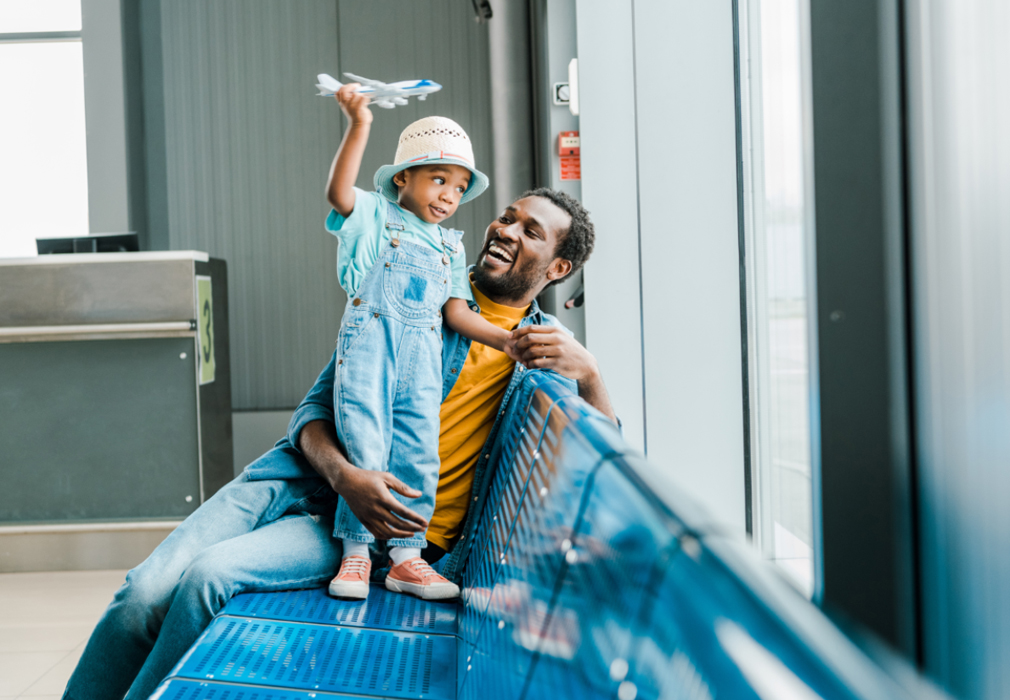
404 275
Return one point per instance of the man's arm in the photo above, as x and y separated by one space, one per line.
549 347
366 493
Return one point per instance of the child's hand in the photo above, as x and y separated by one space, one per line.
511 350
354 105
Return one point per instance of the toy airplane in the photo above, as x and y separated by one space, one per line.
385 95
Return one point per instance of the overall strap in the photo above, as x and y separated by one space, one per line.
394 222
451 239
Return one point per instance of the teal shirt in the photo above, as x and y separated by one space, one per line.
363 237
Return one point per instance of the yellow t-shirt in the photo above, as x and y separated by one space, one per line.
467 416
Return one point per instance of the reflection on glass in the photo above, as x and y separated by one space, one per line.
777 298
43 156
40 16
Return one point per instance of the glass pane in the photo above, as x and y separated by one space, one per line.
778 296
43 155
40 16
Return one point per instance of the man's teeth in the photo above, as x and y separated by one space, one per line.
499 252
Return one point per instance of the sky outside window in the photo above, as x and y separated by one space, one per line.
40 16
43 151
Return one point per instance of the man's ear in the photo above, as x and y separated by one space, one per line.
558 269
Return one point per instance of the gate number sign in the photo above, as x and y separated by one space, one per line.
205 326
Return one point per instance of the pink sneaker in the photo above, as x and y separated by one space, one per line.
415 576
352 579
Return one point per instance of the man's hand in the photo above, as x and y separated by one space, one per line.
368 496
354 104
367 493
549 347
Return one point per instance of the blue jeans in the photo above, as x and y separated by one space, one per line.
251 536
387 389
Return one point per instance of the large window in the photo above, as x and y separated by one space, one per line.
777 253
43 152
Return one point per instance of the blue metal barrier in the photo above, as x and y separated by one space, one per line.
588 577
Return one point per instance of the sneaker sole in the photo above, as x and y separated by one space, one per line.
353 590
437 591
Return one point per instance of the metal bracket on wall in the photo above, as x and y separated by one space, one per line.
482 8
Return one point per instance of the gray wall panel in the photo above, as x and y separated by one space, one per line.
248 146
105 104
247 149
959 101
394 40
559 36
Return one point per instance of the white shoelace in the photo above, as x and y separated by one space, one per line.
424 570
353 565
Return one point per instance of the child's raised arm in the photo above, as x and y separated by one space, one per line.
347 162
457 315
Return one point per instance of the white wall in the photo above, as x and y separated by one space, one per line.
660 176
610 193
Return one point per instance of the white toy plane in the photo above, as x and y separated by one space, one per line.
385 95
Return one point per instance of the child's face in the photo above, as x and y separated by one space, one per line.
432 192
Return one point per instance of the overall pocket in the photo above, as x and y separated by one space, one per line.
353 326
415 290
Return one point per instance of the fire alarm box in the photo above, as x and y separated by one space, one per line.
568 151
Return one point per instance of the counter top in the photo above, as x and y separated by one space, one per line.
86 258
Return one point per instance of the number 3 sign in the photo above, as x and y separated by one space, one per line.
205 324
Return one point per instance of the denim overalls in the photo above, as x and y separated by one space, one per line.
387 389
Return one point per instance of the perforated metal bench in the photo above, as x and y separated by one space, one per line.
588 577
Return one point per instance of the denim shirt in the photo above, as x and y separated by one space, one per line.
318 405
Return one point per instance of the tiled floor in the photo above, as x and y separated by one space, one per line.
45 620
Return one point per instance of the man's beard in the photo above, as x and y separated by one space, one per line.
514 285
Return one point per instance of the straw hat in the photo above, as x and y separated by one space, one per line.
426 142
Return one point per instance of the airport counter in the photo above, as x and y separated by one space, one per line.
590 576
115 403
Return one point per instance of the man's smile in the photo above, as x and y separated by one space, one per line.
498 254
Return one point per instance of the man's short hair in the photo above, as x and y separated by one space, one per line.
577 243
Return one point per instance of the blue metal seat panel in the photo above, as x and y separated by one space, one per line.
333 659
381 610
523 570
616 545
703 630
495 525
182 689
558 679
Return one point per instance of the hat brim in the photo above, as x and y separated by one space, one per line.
385 185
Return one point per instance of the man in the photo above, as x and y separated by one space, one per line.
247 538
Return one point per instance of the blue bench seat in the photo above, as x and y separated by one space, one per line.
589 576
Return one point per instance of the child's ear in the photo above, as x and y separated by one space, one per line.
400 179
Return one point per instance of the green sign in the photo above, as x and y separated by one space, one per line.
205 324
